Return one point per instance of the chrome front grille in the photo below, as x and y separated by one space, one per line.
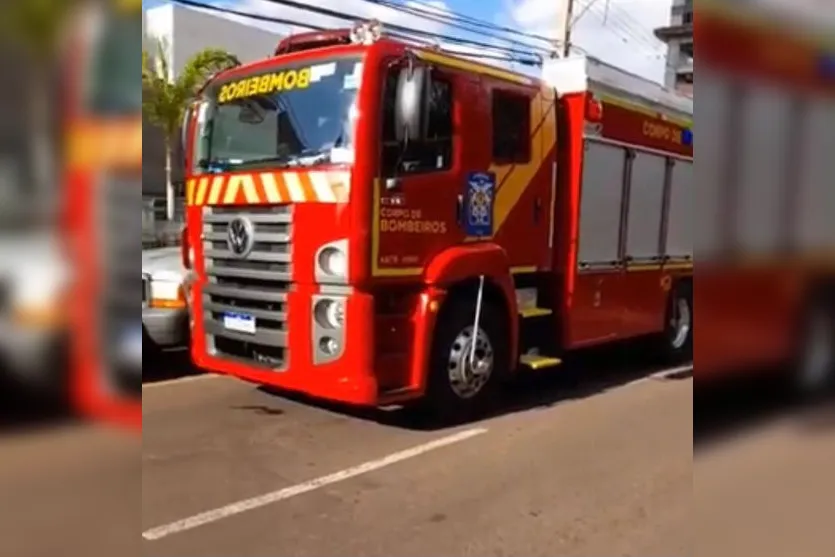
118 227
254 286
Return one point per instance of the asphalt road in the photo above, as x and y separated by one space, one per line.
597 465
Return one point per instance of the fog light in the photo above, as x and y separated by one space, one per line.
329 346
329 314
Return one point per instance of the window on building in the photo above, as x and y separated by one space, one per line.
432 154
511 128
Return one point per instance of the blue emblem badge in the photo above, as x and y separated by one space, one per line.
478 204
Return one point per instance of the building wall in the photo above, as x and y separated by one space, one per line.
184 32
679 38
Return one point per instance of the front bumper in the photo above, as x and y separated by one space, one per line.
349 378
166 328
383 361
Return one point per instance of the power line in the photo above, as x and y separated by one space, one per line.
525 57
394 27
530 56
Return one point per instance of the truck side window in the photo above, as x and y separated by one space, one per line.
432 154
511 128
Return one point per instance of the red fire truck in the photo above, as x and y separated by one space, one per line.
766 284
102 179
376 222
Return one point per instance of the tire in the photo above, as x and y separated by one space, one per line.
814 369
677 341
449 401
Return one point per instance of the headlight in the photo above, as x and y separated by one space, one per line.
167 295
329 314
332 261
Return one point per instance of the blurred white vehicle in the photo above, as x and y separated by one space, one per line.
34 277
165 314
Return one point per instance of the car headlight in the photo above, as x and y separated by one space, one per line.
167 295
333 261
329 313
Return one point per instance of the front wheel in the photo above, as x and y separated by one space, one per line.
467 365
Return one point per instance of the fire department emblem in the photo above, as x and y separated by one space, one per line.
240 237
481 190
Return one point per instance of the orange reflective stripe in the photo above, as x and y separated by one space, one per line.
266 188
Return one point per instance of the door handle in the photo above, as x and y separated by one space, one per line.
537 210
459 209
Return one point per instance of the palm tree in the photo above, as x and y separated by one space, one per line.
166 96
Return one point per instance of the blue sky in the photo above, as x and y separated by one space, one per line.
618 31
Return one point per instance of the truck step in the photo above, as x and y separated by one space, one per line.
526 313
537 361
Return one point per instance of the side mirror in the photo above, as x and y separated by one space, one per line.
411 102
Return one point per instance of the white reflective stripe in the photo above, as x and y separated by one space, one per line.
322 187
270 187
214 196
294 186
249 189
203 185
232 190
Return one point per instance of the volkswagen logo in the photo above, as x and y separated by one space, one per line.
240 237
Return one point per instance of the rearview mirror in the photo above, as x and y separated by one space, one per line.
411 101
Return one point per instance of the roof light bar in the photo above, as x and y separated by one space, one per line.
367 33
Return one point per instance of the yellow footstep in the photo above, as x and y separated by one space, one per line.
535 361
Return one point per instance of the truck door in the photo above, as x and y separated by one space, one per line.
415 199
523 159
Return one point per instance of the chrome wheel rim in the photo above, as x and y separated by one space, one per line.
681 323
467 378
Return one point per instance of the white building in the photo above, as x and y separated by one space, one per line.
184 32
679 38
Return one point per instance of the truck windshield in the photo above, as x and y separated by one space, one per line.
114 83
302 114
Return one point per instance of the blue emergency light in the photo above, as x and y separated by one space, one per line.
826 66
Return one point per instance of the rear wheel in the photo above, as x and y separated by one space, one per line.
467 365
678 335
815 366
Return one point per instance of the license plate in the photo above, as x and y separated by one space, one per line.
239 322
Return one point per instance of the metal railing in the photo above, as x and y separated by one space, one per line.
157 230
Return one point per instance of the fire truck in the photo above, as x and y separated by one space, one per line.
378 222
767 293
102 193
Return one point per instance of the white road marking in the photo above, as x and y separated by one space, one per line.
306 487
187 379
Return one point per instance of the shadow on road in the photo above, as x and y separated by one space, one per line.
163 366
582 375
23 408
744 405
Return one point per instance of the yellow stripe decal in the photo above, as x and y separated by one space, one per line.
473 67
513 180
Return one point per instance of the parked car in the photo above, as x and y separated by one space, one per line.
165 312
33 282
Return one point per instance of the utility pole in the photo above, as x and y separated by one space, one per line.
565 15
